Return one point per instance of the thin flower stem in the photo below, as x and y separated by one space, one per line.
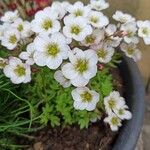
13 146
23 135
31 113
18 124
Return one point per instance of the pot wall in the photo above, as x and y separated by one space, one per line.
135 97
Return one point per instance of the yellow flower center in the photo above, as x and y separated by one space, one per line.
130 33
47 24
13 39
86 97
122 19
89 39
20 27
94 19
75 29
145 31
114 121
112 103
130 50
81 65
2 64
78 13
20 71
121 111
53 49
101 53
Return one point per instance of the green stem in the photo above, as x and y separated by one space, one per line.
18 110
23 135
21 112
31 113
13 146
18 124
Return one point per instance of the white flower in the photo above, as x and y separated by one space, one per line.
3 62
46 22
123 17
94 38
60 7
50 51
113 101
131 29
82 67
11 38
1 31
97 19
58 76
17 71
3 28
113 41
23 27
85 99
10 16
78 9
104 52
76 28
111 29
123 113
65 4
131 51
28 55
113 121
99 4
64 39
144 30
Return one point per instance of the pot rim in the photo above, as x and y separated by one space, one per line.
135 96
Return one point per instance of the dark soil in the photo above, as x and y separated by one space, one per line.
97 137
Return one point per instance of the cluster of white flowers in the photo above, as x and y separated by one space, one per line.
132 30
116 109
13 30
71 39
13 33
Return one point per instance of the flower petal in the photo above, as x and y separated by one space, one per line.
40 58
54 62
90 73
90 106
79 81
79 105
24 55
75 95
68 71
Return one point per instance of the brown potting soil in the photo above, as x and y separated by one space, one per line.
97 137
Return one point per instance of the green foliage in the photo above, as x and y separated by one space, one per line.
103 84
48 115
55 103
83 118
44 101
4 52
16 114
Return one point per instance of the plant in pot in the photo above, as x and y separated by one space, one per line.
66 81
